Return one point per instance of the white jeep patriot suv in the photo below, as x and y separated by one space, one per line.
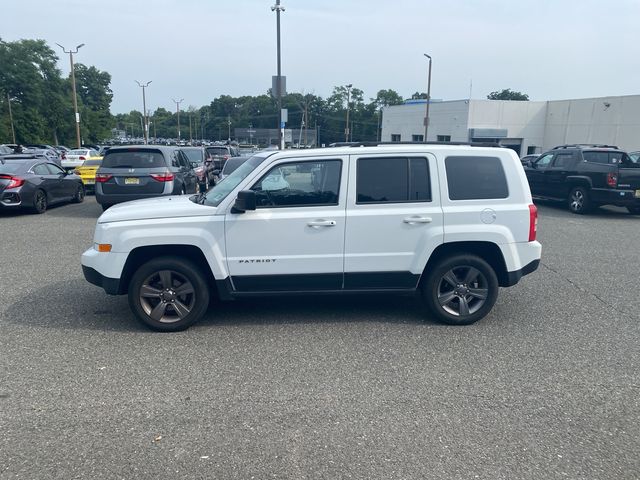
451 222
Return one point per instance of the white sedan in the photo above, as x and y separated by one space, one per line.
75 158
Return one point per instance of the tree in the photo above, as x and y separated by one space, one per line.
94 97
384 98
419 96
508 94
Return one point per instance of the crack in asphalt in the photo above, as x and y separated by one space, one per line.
584 290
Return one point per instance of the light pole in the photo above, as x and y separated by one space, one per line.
73 85
178 102
279 8
426 119
346 129
144 110
13 132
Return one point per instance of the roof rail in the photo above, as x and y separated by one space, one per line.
377 144
585 145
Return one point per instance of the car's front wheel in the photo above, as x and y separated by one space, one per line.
79 196
460 290
169 294
40 202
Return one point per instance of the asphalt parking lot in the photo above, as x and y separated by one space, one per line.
547 386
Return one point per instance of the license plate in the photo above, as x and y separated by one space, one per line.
131 181
637 193
90 181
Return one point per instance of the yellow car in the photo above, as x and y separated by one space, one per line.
87 171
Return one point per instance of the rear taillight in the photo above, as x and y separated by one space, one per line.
533 222
103 177
82 158
226 157
612 180
163 177
14 182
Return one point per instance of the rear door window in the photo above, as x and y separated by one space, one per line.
41 169
392 180
563 160
596 157
139 158
475 178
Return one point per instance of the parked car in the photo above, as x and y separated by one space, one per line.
75 158
231 166
219 154
87 172
136 172
5 150
586 176
49 153
204 169
35 184
635 157
450 222
529 158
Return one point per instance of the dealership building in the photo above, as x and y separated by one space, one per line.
527 127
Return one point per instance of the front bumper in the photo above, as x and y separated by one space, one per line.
110 285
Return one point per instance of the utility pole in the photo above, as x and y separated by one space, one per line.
13 132
346 128
278 8
73 85
144 110
190 134
178 102
426 119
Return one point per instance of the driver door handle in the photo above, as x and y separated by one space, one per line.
322 223
417 219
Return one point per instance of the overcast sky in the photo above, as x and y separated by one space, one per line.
200 49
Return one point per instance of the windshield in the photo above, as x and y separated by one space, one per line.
91 163
220 191
13 167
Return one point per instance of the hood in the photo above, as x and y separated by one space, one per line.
159 207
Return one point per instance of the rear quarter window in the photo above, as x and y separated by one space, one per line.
475 178
134 159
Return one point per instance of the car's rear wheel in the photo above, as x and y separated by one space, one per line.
40 203
580 200
634 210
169 294
79 196
460 290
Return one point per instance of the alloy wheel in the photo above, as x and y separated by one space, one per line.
577 200
167 296
462 291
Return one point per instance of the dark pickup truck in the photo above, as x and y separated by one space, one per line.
586 176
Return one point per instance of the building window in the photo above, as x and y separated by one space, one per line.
417 138
444 138
396 137
531 150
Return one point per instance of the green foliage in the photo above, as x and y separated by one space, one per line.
41 99
419 96
508 94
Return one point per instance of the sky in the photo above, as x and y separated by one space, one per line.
200 49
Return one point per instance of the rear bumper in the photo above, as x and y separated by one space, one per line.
110 285
614 196
514 277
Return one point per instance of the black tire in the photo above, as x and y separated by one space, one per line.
580 200
40 202
151 290
80 194
446 301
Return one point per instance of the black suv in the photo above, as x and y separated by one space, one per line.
586 177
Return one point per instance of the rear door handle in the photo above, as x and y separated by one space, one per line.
417 219
322 223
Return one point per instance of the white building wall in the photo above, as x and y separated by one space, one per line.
446 118
606 120
523 121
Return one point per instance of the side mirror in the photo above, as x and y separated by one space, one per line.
246 200
530 164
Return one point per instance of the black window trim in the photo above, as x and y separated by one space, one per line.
293 162
407 158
